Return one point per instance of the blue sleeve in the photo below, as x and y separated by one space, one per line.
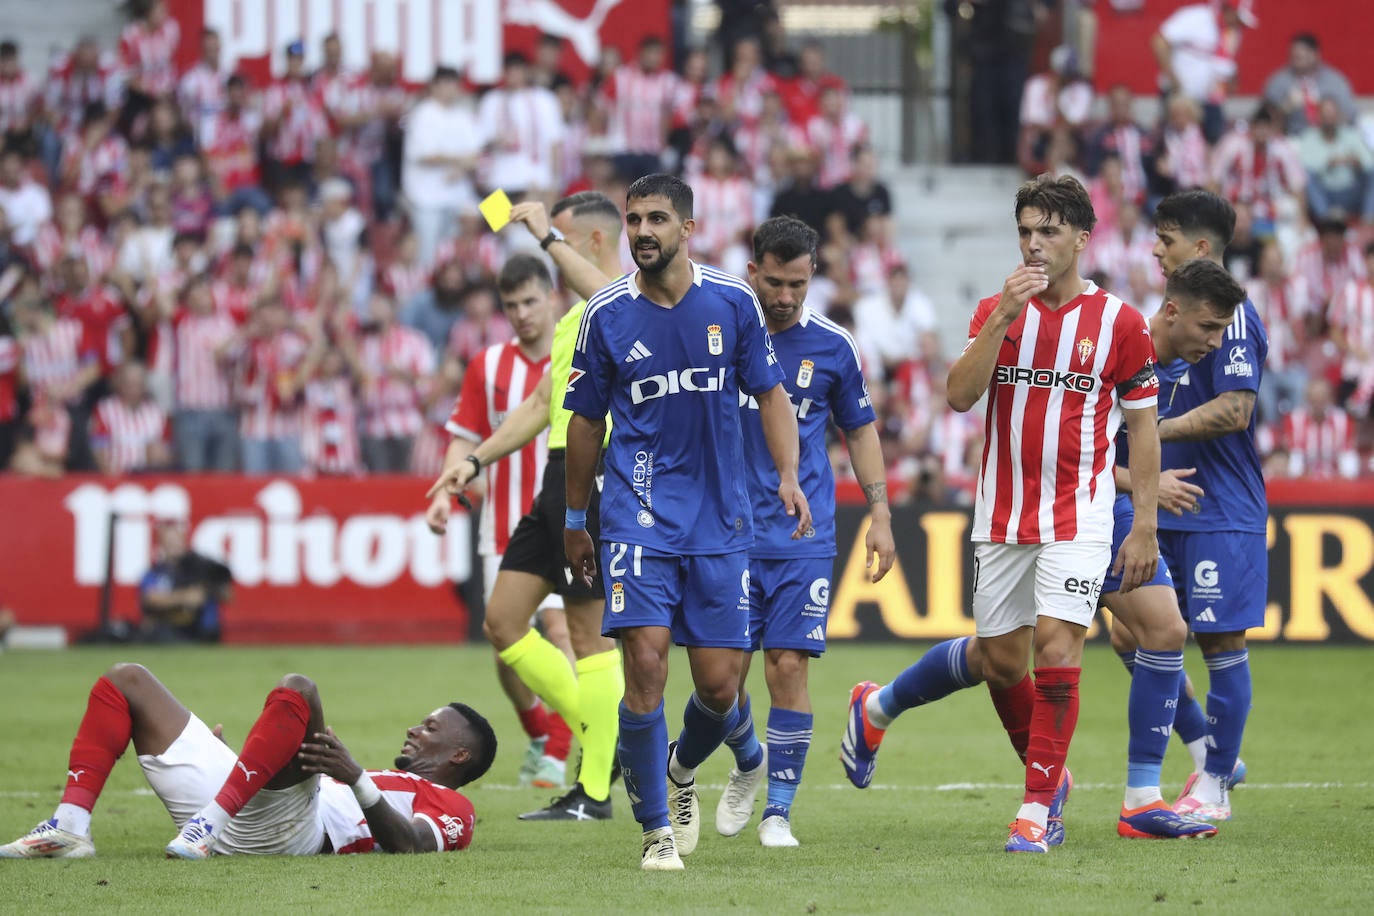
756 365
589 382
852 406
1244 346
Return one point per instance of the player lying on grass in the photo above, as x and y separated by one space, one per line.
269 799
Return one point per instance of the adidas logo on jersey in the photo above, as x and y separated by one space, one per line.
1165 730
1207 616
817 633
638 352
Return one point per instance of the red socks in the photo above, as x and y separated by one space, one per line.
541 722
1051 730
1014 706
271 743
105 732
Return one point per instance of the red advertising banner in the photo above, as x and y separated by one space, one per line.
1124 56
472 35
312 560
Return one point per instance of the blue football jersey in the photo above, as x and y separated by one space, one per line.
671 379
1228 468
820 364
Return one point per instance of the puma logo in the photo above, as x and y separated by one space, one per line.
75 775
1042 768
249 774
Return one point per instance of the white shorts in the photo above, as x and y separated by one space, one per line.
1014 584
190 773
491 565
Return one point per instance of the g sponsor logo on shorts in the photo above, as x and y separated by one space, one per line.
1206 580
819 605
744 596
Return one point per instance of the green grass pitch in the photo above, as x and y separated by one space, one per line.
926 837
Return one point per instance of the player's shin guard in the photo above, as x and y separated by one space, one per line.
1228 706
271 743
938 673
1150 712
600 685
743 741
545 670
643 752
789 738
1052 723
703 730
1014 707
104 733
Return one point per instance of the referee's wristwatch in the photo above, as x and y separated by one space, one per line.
553 236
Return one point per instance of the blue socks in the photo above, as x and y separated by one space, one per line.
643 753
1127 659
743 741
703 730
1190 723
1156 681
789 738
1228 706
938 673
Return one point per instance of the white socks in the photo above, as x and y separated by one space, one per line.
73 819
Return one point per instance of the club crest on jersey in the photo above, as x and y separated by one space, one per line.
1085 349
804 373
715 342
617 597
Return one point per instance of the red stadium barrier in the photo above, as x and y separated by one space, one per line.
312 560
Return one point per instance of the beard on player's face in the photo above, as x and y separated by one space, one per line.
654 260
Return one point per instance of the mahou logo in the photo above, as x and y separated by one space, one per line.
272 544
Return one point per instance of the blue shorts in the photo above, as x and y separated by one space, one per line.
1123 516
702 600
1223 578
789 601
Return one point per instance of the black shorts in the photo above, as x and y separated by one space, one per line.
536 546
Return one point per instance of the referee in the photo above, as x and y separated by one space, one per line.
582 235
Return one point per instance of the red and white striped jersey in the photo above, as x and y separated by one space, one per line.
834 141
495 384
18 100
1319 446
203 381
54 357
201 93
329 427
403 281
1117 255
449 814
70 90
50 247
10 357
1284 307
124 433
103 319
1352 312
1325 279
481 256
724 209
1054 408
265 365
744 98
231 149
233 301
363 98
85 169
1258 177
755 143
527 123
299 118
391 406
1188 156
641 107
147 55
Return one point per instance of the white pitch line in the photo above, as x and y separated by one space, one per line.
845 787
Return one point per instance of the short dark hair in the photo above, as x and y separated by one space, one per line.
587 203
651 41
1064 197
515 59
786 238
678 192
521 269
1307 38
445 73
1204 280
1196 213
8 48
485 751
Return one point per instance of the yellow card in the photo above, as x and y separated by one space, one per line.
496 208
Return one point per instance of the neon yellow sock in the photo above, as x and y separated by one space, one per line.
546 670
602 684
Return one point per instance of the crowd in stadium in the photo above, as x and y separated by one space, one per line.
203 274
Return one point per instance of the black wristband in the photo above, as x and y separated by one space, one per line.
476 464
553 236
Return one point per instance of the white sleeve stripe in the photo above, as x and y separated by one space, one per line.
438 834
724 279
462 432
840 333
606 295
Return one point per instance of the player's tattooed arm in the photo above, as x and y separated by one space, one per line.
1228 412
875 493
